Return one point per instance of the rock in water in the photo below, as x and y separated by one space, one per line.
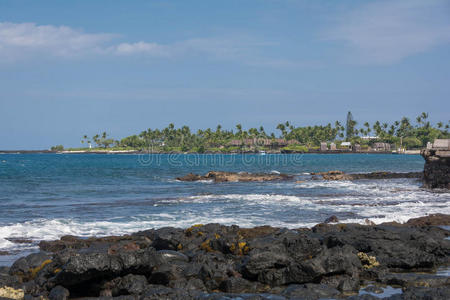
218 176
436 173
332 219
339 175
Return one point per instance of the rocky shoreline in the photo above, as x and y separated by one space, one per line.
228 262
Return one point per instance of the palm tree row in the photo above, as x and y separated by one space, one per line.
402 132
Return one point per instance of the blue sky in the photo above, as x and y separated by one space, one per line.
69 68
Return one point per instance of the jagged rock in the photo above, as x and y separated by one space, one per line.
392 246
82 267
249 263
218 176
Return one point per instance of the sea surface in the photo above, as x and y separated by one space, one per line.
46 196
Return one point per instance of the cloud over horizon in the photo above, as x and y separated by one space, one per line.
22 41
383 32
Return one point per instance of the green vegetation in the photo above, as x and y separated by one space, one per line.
57 148
296 148
400 134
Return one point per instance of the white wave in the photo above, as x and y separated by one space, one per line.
248 198
377 201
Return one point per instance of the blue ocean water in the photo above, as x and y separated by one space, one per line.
45 196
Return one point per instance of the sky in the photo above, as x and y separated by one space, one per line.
69 68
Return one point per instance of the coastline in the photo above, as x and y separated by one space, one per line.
214 261
408 152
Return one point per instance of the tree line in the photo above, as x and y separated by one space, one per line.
402 133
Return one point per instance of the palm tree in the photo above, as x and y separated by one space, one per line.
419 120
282 128
239 130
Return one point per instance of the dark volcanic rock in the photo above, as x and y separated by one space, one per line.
434 219
331 219
28 267
436 173
218 176
88 266
310 291
59 293
415 293
214 261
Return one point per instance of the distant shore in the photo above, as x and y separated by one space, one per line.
96 151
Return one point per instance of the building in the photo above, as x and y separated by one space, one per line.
332 146
368 138
346 145
441 144
382 147
323 146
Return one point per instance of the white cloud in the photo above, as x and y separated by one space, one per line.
21 41
18 40
140 48
388 31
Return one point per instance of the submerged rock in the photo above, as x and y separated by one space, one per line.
214 261
218 176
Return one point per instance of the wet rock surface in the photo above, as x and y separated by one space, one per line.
339 175
228 262
218 176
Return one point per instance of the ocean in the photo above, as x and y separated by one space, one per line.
46 196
